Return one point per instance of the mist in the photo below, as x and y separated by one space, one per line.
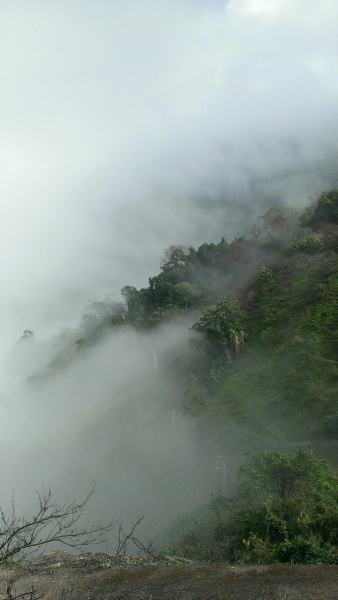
108 416
127 127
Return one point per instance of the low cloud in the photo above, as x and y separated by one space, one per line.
127 127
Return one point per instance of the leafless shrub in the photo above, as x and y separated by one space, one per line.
149 546
54 522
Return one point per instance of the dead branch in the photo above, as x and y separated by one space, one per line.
123 538
148 546
52 522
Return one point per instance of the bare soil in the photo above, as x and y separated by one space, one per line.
64 576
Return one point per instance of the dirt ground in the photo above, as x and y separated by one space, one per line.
64 576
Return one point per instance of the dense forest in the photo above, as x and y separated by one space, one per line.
258 374
262 311
265 356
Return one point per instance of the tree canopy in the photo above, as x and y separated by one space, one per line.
286 510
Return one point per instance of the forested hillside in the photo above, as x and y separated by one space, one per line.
263 313
266 354
255 371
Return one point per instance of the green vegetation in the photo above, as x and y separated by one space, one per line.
263 312
222 326
306 243
265 276
283 375
286 510
267 363
260 373
324 210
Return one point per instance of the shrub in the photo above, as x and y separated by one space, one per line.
286 510
307 244
265 275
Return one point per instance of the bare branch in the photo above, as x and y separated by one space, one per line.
52 522
123 537
148 546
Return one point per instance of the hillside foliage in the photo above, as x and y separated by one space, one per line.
285 511
259 373
262 311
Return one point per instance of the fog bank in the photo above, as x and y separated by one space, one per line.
127 127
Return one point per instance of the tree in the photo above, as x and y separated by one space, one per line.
285 511
185 294
174 258
324 210
53 522
223 325
281 220
308 244
137 301
279 473
223 337
100 317
27 335
289 510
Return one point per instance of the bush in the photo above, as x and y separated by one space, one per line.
52 522
265 276
285 511
307 244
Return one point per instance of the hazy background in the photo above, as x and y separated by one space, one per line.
127 126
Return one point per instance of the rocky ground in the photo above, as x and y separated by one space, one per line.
64 576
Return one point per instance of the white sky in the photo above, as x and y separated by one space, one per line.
124 123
